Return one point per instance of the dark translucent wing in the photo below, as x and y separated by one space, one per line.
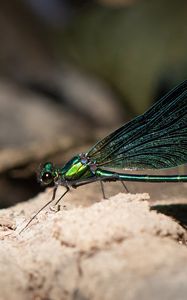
154 140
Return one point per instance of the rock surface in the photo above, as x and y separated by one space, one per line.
92 249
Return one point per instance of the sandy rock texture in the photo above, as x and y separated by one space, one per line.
92 249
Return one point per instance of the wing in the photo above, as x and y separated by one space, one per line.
156 139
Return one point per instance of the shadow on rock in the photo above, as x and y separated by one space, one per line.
176 211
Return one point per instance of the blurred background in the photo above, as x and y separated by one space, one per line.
72 71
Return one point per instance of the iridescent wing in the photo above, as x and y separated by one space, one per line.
156 139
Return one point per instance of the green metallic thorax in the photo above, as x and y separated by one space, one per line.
75 169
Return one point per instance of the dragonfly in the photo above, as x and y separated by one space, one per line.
156 139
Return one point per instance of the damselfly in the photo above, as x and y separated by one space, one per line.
156 139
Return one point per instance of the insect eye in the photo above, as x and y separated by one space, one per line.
47 178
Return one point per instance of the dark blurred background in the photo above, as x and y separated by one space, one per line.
72 71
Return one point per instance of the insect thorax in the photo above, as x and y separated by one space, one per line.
77 168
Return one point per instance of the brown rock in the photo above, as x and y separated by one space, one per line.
112 249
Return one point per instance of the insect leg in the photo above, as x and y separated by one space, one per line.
125 187
67 190
35 215
102 189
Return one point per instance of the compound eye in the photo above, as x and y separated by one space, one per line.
47 178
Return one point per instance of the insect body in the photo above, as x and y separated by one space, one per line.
156 139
